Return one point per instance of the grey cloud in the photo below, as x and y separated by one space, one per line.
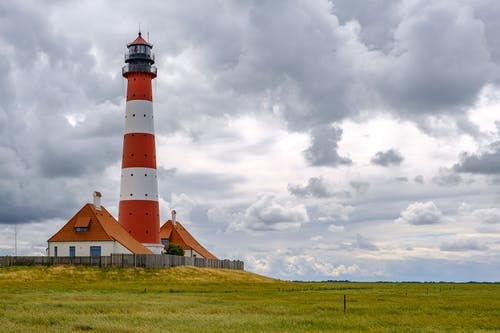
488 11
329 211
370 62
223 217
424 60
364 244
323 149
490 216
487 220
387 158
463 245
74 157
421 213
260 60
487 162
197 183
447 177
431 45
52 167
297 71
487 215
419 179
378 20
401 179
316 187
360 186
26 199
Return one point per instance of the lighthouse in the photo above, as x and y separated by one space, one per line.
138 209
93 231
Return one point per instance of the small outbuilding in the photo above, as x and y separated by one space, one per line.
173 232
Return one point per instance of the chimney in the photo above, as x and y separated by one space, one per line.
97 200
174 217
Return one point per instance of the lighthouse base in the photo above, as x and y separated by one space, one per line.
155 248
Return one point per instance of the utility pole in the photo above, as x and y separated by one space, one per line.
15 239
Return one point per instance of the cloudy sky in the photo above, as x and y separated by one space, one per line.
312 139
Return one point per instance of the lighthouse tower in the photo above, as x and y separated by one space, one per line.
138 209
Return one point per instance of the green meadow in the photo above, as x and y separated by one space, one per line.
188 299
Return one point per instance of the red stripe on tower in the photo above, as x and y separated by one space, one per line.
139 209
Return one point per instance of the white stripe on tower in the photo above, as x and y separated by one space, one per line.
139 117
139 184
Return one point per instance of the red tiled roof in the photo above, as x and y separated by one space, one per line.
179 235
139 41
82 222
102 226
166 229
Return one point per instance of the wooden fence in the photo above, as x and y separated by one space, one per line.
123 260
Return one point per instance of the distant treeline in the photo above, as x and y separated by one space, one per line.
409 282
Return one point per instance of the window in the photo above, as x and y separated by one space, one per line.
72 251
81 229
164 241
95 251
55 251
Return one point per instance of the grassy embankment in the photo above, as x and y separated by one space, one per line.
187 299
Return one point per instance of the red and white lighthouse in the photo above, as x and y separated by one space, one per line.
139 210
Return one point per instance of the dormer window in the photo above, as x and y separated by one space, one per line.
82 224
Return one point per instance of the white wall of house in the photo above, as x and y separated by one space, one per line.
192 253
82 249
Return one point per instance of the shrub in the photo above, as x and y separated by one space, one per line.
174 249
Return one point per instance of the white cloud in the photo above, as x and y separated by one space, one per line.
268 213
421 213
303 264
333 211
484 220
316 238
258 265
183 205
487 215
335 228
300 265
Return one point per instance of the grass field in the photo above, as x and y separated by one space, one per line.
187 299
